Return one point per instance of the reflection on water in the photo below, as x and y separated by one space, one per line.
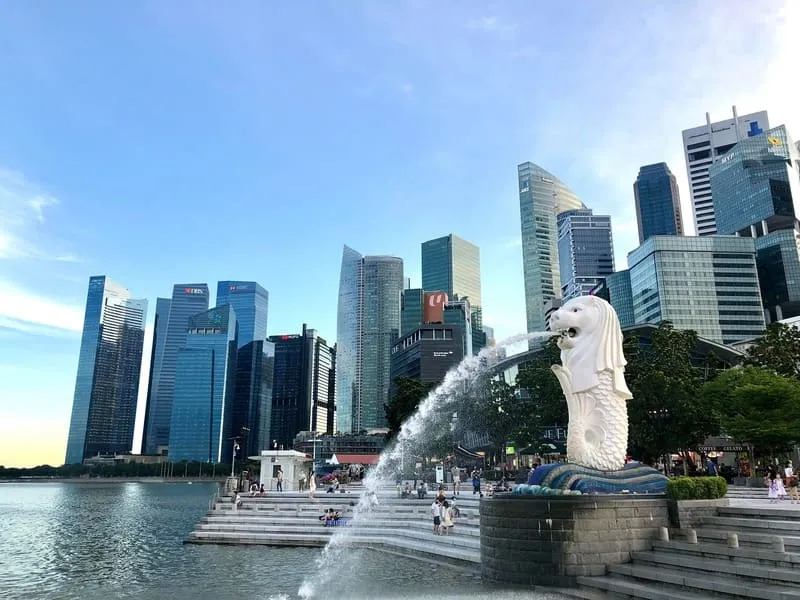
92 541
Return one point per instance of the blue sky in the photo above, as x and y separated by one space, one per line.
165 142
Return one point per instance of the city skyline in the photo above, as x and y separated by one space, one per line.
120 174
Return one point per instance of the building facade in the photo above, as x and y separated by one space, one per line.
250 301
109 365
704 146
428 353
157 349
252 418
368 323
201 426
188 299
302 376
541 197
453 265
585 251
621 297
411 305
658 202
756 190
707 284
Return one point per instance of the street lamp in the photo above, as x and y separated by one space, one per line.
659 417
233 458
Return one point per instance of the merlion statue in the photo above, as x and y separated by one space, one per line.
592 376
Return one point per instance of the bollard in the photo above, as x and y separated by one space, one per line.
777 544
663 534
733 540
691 536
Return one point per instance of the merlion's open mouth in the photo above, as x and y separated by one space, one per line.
569 332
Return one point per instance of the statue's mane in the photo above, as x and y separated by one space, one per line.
597 351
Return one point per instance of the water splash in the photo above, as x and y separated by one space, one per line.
412 430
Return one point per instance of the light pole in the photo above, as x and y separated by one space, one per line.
233 457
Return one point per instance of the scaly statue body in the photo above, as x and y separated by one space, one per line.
592 376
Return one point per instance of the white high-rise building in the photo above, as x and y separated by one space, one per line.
704 146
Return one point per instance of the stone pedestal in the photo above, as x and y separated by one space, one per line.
552 540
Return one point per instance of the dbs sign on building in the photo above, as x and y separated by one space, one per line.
433 309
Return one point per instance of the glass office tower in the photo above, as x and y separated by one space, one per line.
109 364
708 284
157 349
756 191
368 324
201 424
621 296
411 302
585 251
188 299
541 197
252 416
250 301
658 202
453 265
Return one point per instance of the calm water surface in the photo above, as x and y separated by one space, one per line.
64 541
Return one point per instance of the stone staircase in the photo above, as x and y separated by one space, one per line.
678 569
402 526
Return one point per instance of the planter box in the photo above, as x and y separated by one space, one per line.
689 513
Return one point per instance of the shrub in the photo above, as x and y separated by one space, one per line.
696 488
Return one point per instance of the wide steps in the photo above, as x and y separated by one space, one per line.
751 525
733 569
709 584
783 511
617 587
268 522
748 539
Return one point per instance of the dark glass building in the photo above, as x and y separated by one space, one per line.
585 251
188 299
201 426
159 337
368 324
301 385
428 353
756 192
658 202
252 418
250 301
411 317
109 365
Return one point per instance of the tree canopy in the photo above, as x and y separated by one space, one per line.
757 406
778 350
666 413
408 393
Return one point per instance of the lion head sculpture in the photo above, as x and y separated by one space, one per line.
590 342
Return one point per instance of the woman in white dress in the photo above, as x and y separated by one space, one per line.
447 518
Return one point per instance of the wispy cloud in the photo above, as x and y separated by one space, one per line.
25 311
23 210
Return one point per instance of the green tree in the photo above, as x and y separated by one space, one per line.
758 407
408 393
777 350
666 412
548 406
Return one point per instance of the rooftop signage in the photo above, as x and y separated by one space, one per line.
190 291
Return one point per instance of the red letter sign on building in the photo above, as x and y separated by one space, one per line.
433 309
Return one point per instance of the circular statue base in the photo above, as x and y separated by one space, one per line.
570 479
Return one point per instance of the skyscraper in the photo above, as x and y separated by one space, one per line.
705 145
107 383
453 265
252 406
188 299
541 197
707 284
250 301
201 424
658 202
157 350
585 251
368 324
302 375
411 310
756 190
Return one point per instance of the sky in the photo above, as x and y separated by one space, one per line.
170 142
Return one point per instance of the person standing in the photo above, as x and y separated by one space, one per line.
437 517
456 473
280 479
